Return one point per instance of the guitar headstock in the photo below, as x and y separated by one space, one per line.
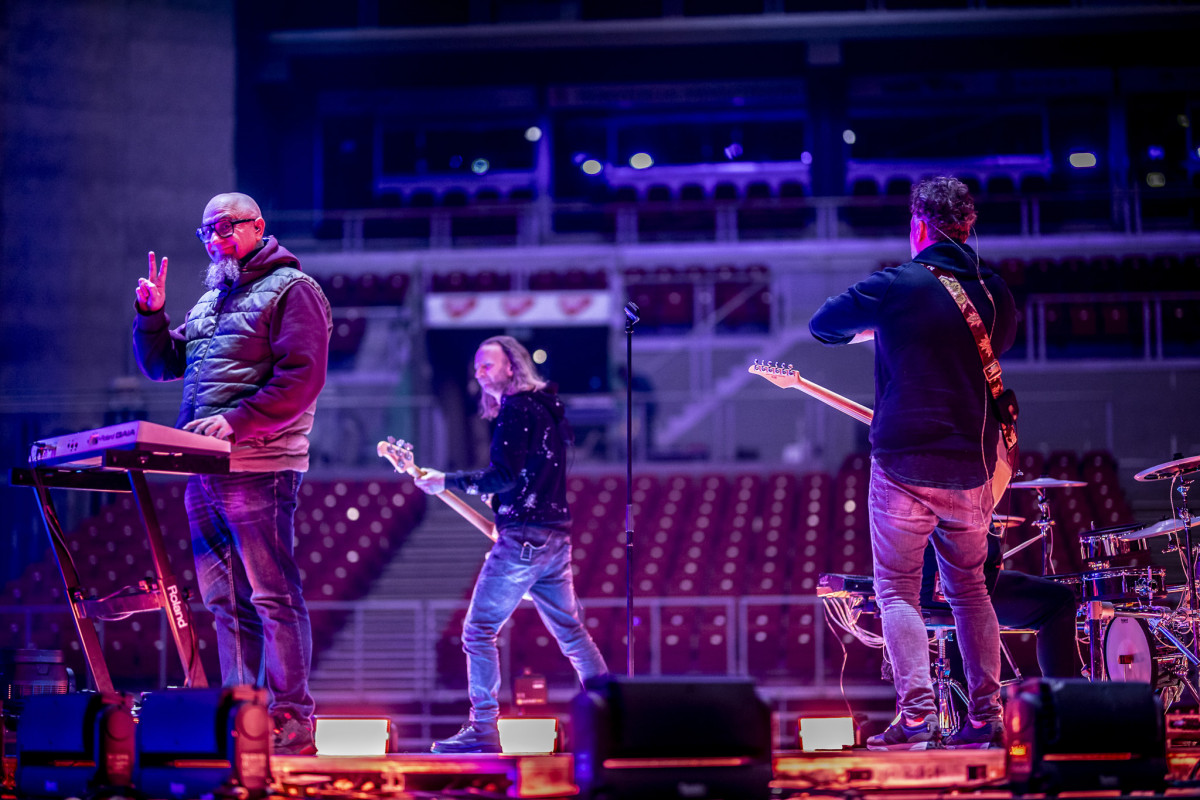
778 373
397 451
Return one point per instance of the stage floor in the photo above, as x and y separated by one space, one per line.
861 772
858 773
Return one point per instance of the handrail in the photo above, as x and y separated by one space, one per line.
534 217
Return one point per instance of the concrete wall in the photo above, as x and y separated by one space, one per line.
116 127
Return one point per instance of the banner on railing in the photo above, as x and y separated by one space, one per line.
493 309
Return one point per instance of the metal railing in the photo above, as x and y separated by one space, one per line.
542 221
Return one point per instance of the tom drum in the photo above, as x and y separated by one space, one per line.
1105 543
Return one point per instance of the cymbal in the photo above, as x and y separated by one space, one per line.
1169 470
1158 529
1003 521
1046 483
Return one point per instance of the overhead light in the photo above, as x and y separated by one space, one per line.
591 167
641 161
533 133
1082 160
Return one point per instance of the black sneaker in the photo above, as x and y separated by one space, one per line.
989 736
293 737
474 737
899 736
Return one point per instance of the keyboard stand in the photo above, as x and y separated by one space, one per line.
124 471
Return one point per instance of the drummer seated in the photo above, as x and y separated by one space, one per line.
1022 602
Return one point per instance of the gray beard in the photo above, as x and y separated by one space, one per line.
226 269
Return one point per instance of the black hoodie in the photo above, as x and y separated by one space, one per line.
527 475
930 426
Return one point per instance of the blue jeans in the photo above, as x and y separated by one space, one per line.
903 519
531 559
243 541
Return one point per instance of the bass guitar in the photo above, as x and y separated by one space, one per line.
399 454
785 377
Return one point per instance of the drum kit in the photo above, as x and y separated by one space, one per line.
1137 627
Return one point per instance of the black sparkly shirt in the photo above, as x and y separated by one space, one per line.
527 473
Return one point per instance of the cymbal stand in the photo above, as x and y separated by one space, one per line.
1181 485
1044 524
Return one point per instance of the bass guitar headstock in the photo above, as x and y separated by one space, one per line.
399 453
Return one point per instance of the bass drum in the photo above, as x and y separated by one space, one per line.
1132 654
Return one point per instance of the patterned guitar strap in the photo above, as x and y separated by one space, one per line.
983 343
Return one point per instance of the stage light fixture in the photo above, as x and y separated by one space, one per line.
826 733
650 738
528 735
1156 180
352 736
533 133
204 742
1073 735
641 161
1082 160
591 167
75 745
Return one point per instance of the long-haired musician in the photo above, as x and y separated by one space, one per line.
526 477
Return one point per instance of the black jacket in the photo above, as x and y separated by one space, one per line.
934 424
527 475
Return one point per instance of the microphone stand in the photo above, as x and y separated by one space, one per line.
631 318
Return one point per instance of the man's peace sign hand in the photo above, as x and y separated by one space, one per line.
152 291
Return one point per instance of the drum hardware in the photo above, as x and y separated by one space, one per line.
1130 645
1043 523
1179 472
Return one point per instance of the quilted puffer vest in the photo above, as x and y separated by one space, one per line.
229 358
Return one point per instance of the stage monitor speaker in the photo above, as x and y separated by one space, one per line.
1075 735
75 745
697 738
204 742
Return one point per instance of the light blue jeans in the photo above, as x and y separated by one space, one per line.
531 559
903 519
243 542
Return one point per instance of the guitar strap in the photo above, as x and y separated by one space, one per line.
1006 401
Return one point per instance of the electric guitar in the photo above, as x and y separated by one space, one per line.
399 454
785 377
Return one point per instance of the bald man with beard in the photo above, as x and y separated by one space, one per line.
252 355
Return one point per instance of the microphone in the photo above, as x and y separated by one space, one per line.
631 309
